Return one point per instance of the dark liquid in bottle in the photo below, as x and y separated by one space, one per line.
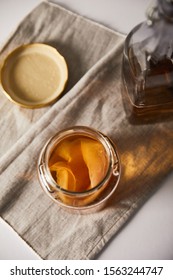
148 79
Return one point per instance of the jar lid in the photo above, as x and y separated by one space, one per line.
34 75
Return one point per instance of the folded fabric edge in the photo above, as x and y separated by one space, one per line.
23 239
123 220
13 32
54 3
111 232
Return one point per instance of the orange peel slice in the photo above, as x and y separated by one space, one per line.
80 163
64 175
94 157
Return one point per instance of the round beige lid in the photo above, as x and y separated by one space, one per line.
34 75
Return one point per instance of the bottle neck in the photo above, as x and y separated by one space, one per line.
161 11
165 9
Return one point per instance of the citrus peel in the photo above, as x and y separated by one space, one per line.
80 163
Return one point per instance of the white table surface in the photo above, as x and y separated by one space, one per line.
149 234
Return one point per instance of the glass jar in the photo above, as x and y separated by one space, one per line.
147 68
93 157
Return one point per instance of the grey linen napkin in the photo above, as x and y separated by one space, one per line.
92 98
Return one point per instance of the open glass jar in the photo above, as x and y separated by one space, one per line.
79 168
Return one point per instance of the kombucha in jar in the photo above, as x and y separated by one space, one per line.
79 168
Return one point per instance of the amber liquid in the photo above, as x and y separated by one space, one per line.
155 91
159 82
147 70
78 163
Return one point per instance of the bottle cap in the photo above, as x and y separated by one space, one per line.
166 8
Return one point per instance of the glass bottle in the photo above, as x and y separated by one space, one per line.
147 68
